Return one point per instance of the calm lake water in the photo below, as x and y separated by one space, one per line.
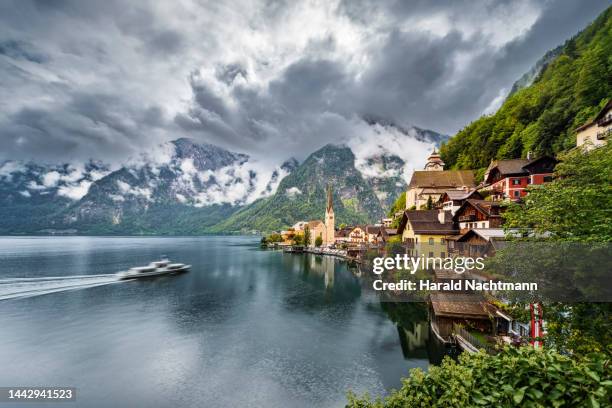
245 327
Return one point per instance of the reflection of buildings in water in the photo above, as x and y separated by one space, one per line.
329 267
413 339
326 266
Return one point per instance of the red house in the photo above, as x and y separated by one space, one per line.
507 179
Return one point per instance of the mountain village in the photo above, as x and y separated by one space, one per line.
448 215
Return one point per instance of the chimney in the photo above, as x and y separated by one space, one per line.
441 216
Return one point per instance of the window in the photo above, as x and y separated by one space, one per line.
431 241
431 255
443 254
482 225
517 193
442 240
547 179
516 182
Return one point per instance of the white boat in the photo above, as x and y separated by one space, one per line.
157 268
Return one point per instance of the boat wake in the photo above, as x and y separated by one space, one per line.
15 288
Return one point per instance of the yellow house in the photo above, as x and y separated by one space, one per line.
597 131
424 232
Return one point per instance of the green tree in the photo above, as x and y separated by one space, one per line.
307 235
319 241
575 207
517 377
429 204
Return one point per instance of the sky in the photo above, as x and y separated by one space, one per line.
274 79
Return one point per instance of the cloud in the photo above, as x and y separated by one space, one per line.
107 79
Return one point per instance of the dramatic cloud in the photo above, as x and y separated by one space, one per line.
274 79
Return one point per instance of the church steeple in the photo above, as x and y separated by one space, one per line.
330 203
330 222
434 162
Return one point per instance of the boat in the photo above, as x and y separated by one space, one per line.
157 268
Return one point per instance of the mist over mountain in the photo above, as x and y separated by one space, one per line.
185 187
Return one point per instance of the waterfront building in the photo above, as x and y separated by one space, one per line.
330 222
425 232
596 132
451 200
358 235
478 214
477 242
326 230
507 179
429 184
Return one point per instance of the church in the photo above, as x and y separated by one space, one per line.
434 181
325 230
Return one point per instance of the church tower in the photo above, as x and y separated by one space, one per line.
434 162
329 234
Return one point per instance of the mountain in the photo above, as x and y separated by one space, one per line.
180 187
530 76
32 194
184 187
301 195
543 116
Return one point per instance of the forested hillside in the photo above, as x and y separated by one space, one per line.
542 117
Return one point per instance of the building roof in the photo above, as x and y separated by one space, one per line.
444 178
600 115
343 232
459 194
514 167
462 305
508 167
427 222
373 229
488 208
314 223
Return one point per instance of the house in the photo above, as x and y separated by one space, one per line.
478 214
431 183
372 232
597 131
385 234
358 235
451 200
477 242
386 222
507 179
425 231
342 235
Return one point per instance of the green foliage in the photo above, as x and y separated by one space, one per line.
298 240
307 235
577 205
318 241
274 237
542 118
515 377
429 204
398 205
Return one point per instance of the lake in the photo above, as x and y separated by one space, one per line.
245 327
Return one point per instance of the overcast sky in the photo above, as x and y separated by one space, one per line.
104 79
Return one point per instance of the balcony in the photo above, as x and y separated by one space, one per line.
467 218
